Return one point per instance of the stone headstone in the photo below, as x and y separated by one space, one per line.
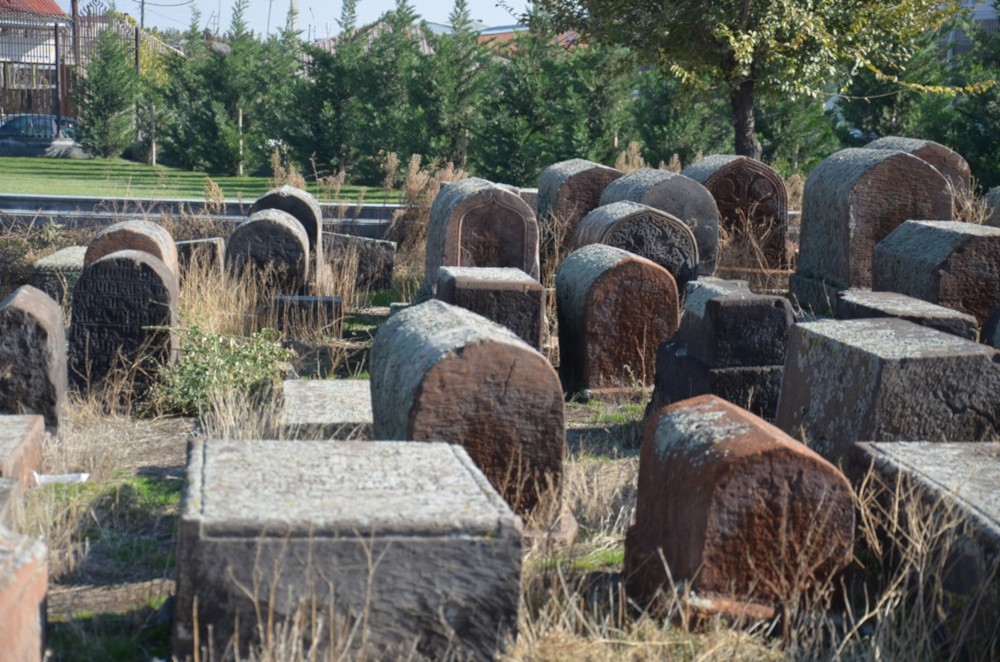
374 259
326 409
853 200
947 263
405 545
443 373
273 242
947 161
24 579
135 235
734 506
886 380
992 200
750 195
646 232
123 308
56 274
614 310
509 297
33 377
301 205
679 196
530 197
568 191
307 313
21 441
207 254
475 223
864 304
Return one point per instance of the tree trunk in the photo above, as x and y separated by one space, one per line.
743 121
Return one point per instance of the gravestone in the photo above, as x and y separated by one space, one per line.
886 380
326 409
646 232
992 201
21 441
750 196
614 310
275 244
404 544
947 263
33 378
24 579
123 308
679 196
208 255
735 507
864 304
853 200
443 373
475 223
731 342
307 313
56 274
530 197
302 206
135 235
373 259
948 162
568 191
509 297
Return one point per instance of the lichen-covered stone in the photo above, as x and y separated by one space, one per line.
21 440
506 296
23 585
568 191
372 259
276 244
992 200
301 205
947 161
326 409
56 274
863 304
135 235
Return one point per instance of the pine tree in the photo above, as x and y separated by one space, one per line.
105 97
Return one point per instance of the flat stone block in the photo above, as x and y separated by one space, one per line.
406 539
509 297
57 274
209 254
372 259
23 585
886 380
21 440
321 313
863 304
326 409
813 294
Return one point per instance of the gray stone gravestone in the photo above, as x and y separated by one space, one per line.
863 304
275 244
568 191
135 235
948 162
207 254
373 259
56 274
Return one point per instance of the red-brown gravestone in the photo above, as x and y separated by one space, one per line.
749 194
614 310
734 507
276 245
443 373
123 308
852 200
306 211
677 195
135 235
476 223
947 263
23 585
568 191
646 232
21 440
947 161
33 376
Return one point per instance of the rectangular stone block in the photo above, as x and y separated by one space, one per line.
23 585
863 304
399 547
326 409
57 274
318 313
209 254
21 439
814 294
374 259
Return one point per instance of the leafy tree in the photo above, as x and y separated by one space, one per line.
751 47
105 97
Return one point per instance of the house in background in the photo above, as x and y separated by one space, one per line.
33 34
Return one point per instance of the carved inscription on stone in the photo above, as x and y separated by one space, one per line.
656 238
493 236
751 196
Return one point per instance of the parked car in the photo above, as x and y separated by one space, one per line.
39 126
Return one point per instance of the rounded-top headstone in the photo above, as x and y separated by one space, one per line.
275 243
992 199
299 204
134 235
680 196
948 162
568 191
645 231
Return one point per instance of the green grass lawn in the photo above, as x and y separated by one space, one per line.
117 178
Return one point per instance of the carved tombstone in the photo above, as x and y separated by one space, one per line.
750 196
33 376
475 223
123 307
568 191
680 196
614 309
135 235
299 204
274 243
852 201
647 232
947 161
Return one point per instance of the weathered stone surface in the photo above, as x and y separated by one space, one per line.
679 196
475 223
123 307
374 259
863 304
646 232
304 313
509 297
404 544
614 310
992 199
852 200
568 191
443 373
326 409
886 380
56 274
138 236
274 242
33 377
734 506
749 194
207 254
530 197
300 205
21 441
948 162
23 585
948 263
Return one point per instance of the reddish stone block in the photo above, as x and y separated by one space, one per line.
138 236
21 440
23 585
509 297
568 191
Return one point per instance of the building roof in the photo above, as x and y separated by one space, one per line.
32 7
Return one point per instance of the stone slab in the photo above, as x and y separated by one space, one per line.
57 274
406 539
21 440
326 409
23 585
992 200
375 258
319 313
208 254
861 304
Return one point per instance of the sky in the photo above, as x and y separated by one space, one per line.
317 18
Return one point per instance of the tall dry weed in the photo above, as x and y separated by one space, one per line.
284 172
630 159
967 207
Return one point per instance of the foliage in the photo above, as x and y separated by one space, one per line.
105 97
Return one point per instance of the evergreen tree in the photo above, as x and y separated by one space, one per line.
105 97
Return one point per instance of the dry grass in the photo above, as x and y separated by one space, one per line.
630 159
284 171
967 207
